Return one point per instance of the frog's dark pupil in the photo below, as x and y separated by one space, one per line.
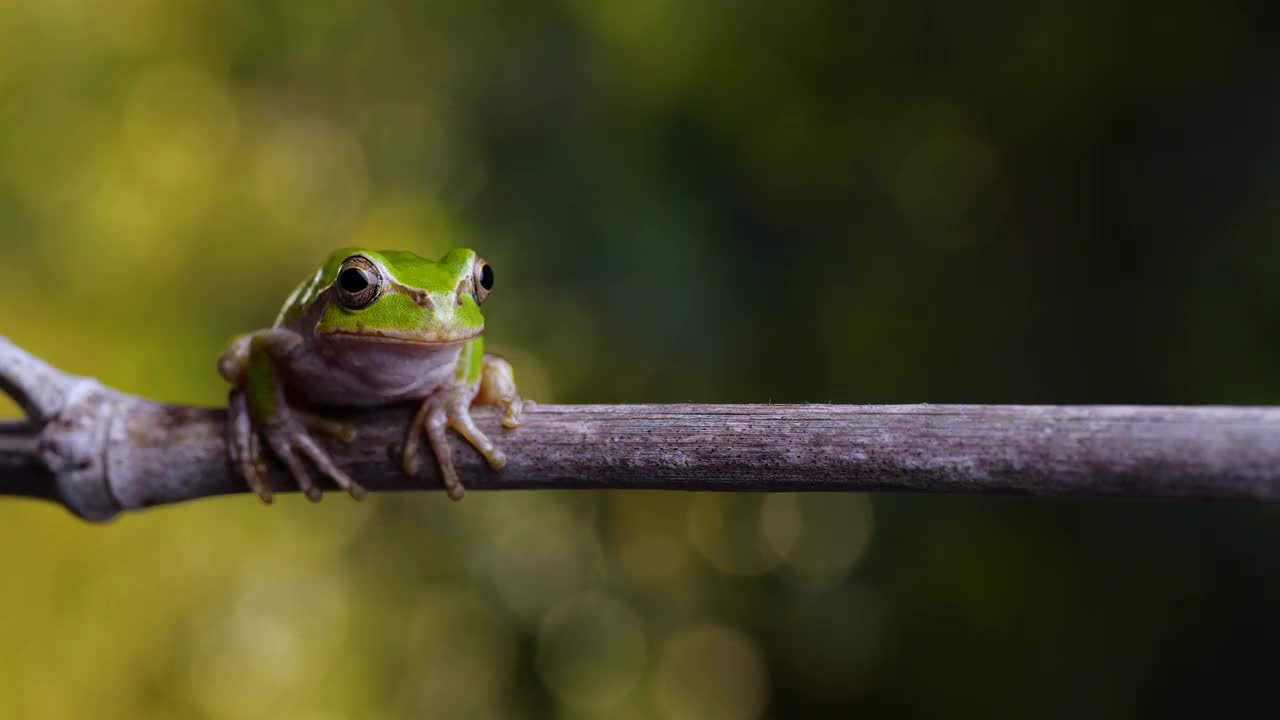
353 281
486 277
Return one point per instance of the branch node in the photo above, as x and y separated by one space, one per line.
73 446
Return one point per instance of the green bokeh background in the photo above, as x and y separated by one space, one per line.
1051 202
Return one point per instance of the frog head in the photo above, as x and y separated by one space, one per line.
392 295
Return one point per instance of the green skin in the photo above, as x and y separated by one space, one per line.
368 328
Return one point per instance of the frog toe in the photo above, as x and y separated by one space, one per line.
292 444
459 418
432 421
496 459
513 415
345 432
282 445
243 448
318 457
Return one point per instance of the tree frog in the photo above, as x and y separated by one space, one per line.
368 328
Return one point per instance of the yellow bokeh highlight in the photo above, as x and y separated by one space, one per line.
818 536
179 125
592 651
310 176
711 672
728 529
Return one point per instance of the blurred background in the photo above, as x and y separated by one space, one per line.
1049 202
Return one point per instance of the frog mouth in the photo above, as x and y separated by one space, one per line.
398 337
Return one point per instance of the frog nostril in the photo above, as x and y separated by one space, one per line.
422 298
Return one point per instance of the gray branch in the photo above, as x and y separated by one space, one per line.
98 451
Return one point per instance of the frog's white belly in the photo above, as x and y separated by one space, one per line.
373 373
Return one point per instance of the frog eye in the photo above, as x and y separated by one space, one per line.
359 282
483 272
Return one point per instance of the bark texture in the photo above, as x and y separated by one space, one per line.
100 452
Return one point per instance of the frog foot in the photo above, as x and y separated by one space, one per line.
498 387
288 437
448 408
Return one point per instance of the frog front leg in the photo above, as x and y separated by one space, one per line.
498 387
258 407
491 382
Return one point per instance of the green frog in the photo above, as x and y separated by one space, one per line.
368 328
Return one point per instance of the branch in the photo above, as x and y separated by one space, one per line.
99 452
